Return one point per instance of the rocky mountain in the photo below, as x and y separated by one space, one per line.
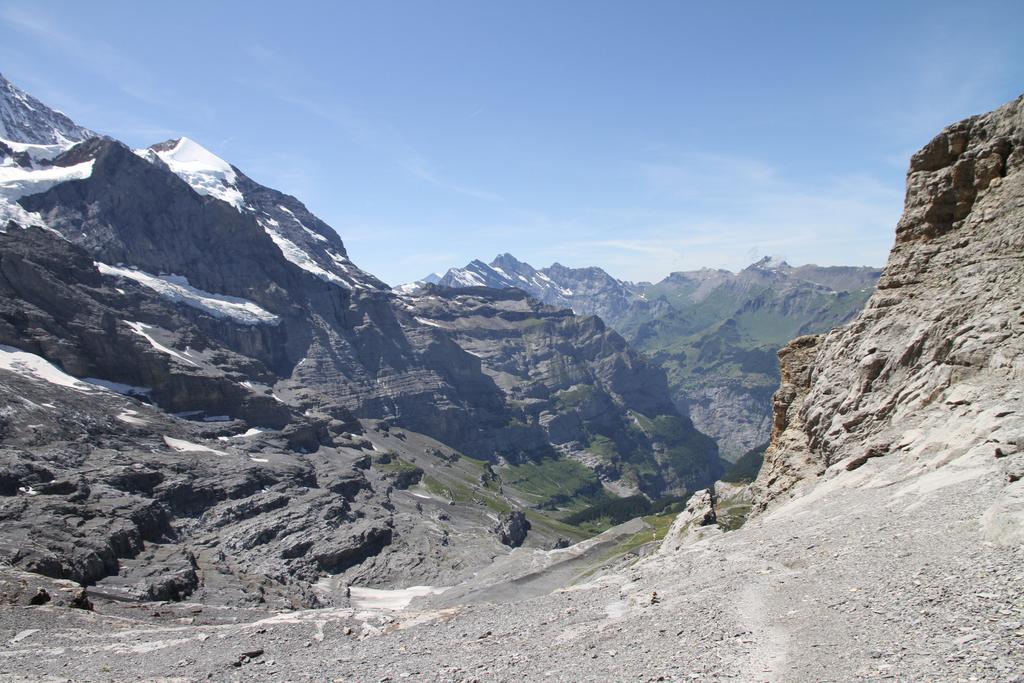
189 356
587 291
929 372
887 539
715 332
27 121
577 387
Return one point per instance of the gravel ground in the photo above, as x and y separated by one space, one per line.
856 581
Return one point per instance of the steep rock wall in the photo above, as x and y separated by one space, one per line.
931 371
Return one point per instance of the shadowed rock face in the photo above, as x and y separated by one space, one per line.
240 354
512 529
936 359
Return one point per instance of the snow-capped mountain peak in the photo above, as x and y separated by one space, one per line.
771 263
206 172
33 136
24 119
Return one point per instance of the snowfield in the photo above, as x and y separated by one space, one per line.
143 329
176 288
17 182
204 171
296 254
34 367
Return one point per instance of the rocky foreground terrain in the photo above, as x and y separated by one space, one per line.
887 539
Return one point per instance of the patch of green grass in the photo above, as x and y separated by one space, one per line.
732 515
660 525
746 469
499 505
552 480
612 511
475 462
463 494
395 466
453 491
603 447
555 527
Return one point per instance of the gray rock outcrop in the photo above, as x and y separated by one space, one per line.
512 528
934 362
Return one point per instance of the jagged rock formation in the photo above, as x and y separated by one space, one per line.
187 356
24 119
714 331
934 363
512 528
577 387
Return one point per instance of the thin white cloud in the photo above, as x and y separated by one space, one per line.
715 211
421 169
376 136
92 54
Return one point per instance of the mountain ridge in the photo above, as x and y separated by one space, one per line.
715 331
161 309
25 119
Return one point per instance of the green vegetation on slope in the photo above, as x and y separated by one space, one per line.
745 469
552 482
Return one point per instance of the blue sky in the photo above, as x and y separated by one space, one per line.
644 137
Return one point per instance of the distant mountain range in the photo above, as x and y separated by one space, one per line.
715 332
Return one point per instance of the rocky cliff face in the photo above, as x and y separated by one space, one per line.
930 372
187 356
26 120
715 332
576 389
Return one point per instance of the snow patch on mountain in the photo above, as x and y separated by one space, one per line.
775 263
35 367
203 170
296 254
36 153
476 274
144 331
176 288
118 387
430 323
182 446
17 182
413 287
25 119
408 287
312 233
